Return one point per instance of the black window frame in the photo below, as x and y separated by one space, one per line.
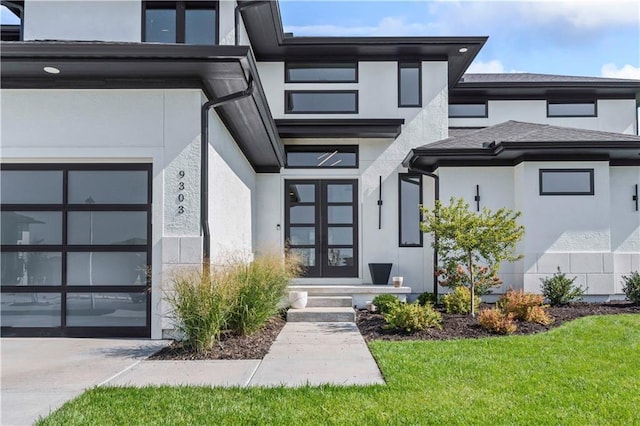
354 149
403 177
401 64
65 248
485 115
289 65
593 102
180 8
13 32
288 110
591 191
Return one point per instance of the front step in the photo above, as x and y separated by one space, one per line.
322 314
329 302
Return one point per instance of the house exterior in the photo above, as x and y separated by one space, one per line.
322 145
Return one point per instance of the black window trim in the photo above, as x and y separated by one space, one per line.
400 65
403 177
180 7
311 148
573 101
287 110
485 115
288 65
553 193
64 248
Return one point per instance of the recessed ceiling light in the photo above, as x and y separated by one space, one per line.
463 50
51 70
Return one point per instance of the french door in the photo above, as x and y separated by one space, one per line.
321 225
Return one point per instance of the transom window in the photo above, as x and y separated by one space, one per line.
75 249
571 109
566 182
322 157
189 22
410 190
468 110
321 73
409 84
321 102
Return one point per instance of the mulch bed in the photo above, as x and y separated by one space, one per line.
464 326
255 346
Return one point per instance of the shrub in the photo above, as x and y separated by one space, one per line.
631 286
497 321
518 303
538 314
559 289
459 302
260 287
412 317
201 307
385 302
427 297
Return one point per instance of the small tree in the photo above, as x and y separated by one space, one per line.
468 238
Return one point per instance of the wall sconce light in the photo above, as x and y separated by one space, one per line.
477 198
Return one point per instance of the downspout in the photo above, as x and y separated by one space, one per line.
436 182
204 167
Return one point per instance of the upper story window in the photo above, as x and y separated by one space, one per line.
566 182
321 73
322 156
11 28
189 22
571 109
468 110
321 102
409 84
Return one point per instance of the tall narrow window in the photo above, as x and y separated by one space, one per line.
409 84
410 190
189 22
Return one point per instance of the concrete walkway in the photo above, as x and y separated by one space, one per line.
41 374
303 353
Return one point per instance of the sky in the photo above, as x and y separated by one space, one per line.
598 38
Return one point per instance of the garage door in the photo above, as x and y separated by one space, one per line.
76 250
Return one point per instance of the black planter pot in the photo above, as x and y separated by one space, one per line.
380 272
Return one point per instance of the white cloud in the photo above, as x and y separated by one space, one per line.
494 66
611 70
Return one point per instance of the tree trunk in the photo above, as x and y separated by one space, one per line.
473 287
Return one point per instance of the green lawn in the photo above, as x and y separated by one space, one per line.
586 372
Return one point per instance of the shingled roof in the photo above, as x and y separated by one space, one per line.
526 77
514 141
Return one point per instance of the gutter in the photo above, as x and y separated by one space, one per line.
436 181
204 166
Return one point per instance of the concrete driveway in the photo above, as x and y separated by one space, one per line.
40 374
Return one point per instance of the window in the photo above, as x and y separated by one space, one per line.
11 28
571 109
410 190
329 157
189 22
409 84
467 110
321 73
75 249
321 102
566 182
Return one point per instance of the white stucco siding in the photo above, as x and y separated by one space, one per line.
232 194
226 12
613 115
101 20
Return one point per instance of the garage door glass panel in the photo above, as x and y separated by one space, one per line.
107 187
31 268
106 268
31 228
106 309
31 309
30 187
107 228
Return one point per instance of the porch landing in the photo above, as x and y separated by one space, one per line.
361 294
